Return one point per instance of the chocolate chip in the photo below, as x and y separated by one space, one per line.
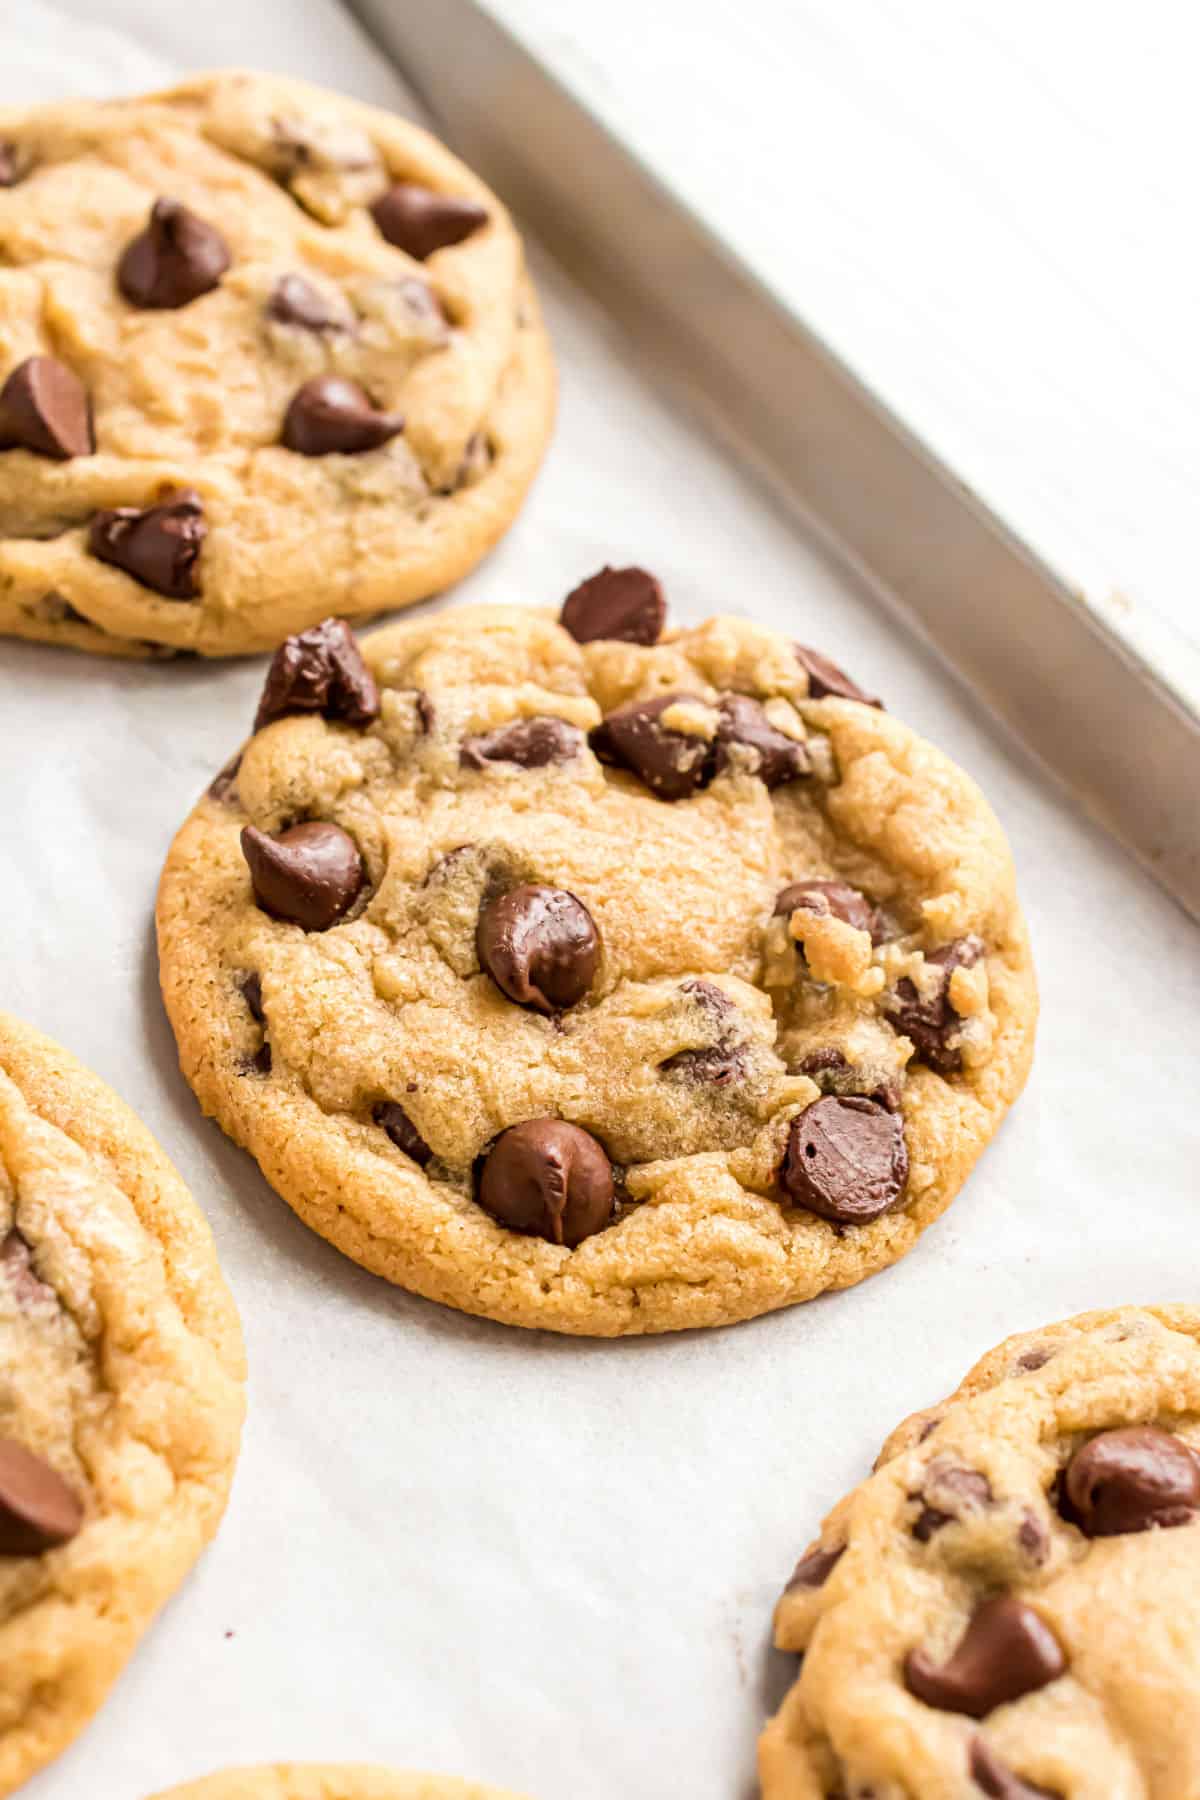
403 1133
10 172
309 875
929 1023
223 786
846 1159
549 1179
419 221
1006 1651
622 604
424 309
37 1509
16 1256
261 1061
714 1065
1032 1537
251 986
295 301
815 1567
708 996
672 764
426 712
826 1061
158 545
44 407
176 259
992 1778
320 670
539 945
477 459
530 743
825 678
836 899
948 1493
775 757
331 415
1031 1360
1138 1478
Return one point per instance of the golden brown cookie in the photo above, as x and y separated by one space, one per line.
1010 1605
264 353
122 1401
329 1781
605 984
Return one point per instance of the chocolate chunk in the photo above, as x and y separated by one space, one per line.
37 1509
309 875
846 1159
320 670
295 301
1138 1478
777 757
826 679
672 764
625 604
815 1567
223 786
331 415
549 1179
948 1493
158 545
44 407
713 1065
930 1022
992 1778
251 986
419 221
826 1061
835 899
530 743
10 172
403 1133
1006 1651
539 945
17 1259
176 259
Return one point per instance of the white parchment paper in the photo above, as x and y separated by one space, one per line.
544 1562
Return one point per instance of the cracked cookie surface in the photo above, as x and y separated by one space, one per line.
519 1033
329 1781
1010 1605
301 314
122 1398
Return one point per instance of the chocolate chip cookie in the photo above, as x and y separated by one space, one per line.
123 1392
1010 1606
329 1781
265 353
596 975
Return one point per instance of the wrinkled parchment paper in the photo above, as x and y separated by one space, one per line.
550 1563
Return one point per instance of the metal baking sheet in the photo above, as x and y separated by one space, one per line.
545 1562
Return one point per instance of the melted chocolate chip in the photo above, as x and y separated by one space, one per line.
295 301
44 407
998 1782
158 545
713 1065
16 1256
539 945
261 1061
176 259
37 1509
1033 1540
775 757
673 764
331 415
251 986
320 670
826 1061
622 604
948 1493
825 679
309 875
1006 1651
419 221
549 1179
530 743
10 172
930 1022
223 786
403 1133
846 1159
815 1567
1137 1478
836 899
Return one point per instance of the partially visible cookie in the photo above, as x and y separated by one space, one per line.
122 1399
1010 1605
596 975
264 353
329 1781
